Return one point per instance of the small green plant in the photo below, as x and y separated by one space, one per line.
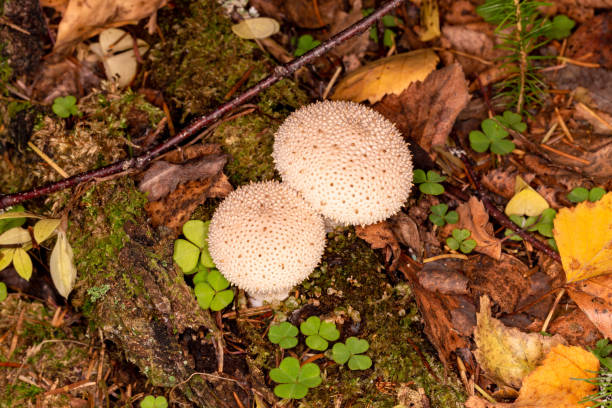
440 217
459 241
96 292
284 334
8 223
193 251
493 136
389 22
543 224
3 292
429 183
154 402
213 293
305 43
294 381
352 351
65 106
560 28
580 194
511 120
603 398
319 333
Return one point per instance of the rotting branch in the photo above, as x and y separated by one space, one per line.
139 162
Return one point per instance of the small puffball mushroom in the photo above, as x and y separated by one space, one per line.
349 162
265 239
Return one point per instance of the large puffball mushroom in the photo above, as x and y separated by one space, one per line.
349 162
265 239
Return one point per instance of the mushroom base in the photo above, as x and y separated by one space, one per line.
258 298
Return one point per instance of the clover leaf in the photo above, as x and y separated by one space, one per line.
294 381
193 251
512 120
350 352
439 215
460 241
283 334
429 183
65 106
580 194
318 333
560 28
154 402
213 293
305 43
493 136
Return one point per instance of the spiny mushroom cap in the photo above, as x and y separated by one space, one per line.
348 161
265 238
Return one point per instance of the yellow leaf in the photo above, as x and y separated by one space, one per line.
61 264
21 214
505 353
256 28
22 263
389 75
15 236
430 20
6 257
555 383
45 228
584 238
526 200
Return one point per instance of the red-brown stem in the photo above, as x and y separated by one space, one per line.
280 72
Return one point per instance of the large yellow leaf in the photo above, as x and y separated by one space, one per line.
389 75
22 263
556 384
61 264
44 229
584 238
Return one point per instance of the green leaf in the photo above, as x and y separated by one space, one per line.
452 243
452 217
8 223
357 346
22 263
548 215
186 255
502 146
287 371
437 220
316 342
204 294
389 21
217 280
305 43
3 291
288 342
546 229
431 188
310 326
200 276
467 246
205 259
340 353
65 106
161 402
596 193
419 176
221 300
148 402
283 334
388 38
195 232
479 141
328 331
553 244
360 362
439 209
578 195
291 391
560 27
513 235
512 120
461 234
493 130
310 375
434 177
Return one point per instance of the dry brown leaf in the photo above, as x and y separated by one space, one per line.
390 75
407 232
380 236
342 20
576 328
84 19
594 297
505 353
426 112
474 217
476 43
444 277
59 5
591 42
500 181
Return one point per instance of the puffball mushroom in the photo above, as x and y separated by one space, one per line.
264 238
349 162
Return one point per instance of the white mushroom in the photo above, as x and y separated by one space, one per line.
265 239
349 162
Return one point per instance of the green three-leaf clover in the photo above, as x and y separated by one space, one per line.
294 381
193 251
460 241
318 333
283 334
154 402
213 292
580 194
65 106
429 183
493 136
351 351
439 215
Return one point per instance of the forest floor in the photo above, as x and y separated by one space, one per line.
490 288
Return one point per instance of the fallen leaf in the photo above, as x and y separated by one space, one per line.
430 20
22 263
380 236
559 381
61 265
342 20
584 238
576 328
600 120
84 19
474 217
594 296
426 112
526 201
444 277
476 43
500 181
406 231
507 354
390 75
303 14
590 42
163 177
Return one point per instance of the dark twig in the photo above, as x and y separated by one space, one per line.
504 220
280 72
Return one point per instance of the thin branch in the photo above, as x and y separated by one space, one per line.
139 162
522 56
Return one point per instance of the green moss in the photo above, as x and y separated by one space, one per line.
15 394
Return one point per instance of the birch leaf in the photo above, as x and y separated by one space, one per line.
15 236
6 257
22 263
44 229
63 271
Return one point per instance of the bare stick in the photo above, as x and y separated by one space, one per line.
280 72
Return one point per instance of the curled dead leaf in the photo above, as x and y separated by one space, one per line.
474 217
61 265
